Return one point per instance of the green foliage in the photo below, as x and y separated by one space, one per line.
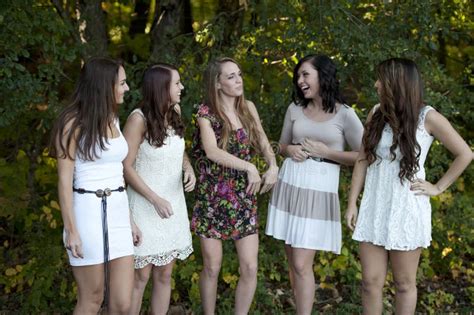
39 62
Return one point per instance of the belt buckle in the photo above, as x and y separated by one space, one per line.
317 159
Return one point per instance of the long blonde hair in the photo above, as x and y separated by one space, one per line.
211 78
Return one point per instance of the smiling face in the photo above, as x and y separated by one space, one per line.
230 81
308 80
175 87
121 86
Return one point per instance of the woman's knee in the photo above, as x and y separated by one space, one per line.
211 270
373 284
248 269
121 306
91 298
142 276
301 268
163 274
405 284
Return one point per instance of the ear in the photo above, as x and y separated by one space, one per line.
218 85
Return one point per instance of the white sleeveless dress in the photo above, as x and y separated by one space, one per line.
104 172
161 169
390 214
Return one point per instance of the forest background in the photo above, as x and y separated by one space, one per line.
44 42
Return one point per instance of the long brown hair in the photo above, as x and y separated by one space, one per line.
156 104
401 99
91 111
211 78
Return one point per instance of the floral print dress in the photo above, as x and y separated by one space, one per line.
223 209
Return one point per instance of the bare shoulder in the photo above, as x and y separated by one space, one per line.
435 120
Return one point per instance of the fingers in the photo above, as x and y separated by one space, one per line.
165 212
253 188
189 185
265 188
189 181
137 238
76 251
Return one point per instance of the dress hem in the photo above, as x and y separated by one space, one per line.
162 259
304 246
392 247
227 238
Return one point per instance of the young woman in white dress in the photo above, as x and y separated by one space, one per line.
154 171
394 219
304 207
90 148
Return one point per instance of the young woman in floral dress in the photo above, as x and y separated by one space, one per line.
227 136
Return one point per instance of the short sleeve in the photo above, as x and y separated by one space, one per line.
203 111
286 136
353 129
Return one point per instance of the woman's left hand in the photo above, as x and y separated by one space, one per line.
269 179
189 179
315 148
423 187
136 234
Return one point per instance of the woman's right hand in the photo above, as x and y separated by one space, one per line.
351 216
163 208
74 244
297 153
254 180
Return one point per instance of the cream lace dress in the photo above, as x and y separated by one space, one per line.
390 214
161 169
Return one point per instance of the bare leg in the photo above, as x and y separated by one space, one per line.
374 260
90 288
121 285
404 267
161 294
291 272
304 287
211 250
141 279
247 250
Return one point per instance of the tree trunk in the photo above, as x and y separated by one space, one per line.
172 18
140 17
92 27
231 17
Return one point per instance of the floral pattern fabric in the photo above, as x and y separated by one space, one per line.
223 209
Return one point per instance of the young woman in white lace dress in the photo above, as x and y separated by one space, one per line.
394 219
154 171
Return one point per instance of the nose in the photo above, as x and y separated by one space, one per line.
181 86
126 88
299 81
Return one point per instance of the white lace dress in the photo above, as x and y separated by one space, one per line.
161 169
390 214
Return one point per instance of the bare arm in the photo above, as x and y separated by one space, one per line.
357 183
65 185
189 177
222 157
437 125
134 132
271 175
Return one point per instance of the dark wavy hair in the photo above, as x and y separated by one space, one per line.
401 99
92 110
328 83
156 104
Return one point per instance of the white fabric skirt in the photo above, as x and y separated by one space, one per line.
88 215
304 208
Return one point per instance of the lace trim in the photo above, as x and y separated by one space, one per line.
162 259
